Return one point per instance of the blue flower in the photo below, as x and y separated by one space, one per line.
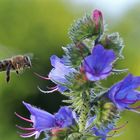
65 117
42 120
123 94
103 132
98 65
59 72
58 75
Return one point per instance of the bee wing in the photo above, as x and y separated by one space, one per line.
10 52
6 51
31 55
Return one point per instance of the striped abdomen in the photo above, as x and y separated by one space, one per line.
4 64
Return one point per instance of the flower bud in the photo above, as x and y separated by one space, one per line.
97 18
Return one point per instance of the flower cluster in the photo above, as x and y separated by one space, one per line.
93 110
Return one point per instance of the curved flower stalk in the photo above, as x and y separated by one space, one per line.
94 110
43 121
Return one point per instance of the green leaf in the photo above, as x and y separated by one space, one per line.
75 53
115 42
83 28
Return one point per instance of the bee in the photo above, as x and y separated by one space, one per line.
15 63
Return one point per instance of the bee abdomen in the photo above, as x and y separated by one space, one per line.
4 64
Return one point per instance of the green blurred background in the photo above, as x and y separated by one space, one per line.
40 27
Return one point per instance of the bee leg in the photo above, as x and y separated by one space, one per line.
17 71
8 73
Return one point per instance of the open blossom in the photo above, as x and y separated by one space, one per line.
42 120
98 65
58 75
123 94
59 72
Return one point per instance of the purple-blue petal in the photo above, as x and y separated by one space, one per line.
103 131
61 88
64 117
98 65
42 120
123 93
54 60
59 72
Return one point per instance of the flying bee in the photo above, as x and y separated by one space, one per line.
15 63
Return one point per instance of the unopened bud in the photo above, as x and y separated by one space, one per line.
97 18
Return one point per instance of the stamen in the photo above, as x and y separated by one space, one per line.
137 107
118 71
117 135
121 126
24 128
27 135
25 119
111 134
50 91
133 110
43 77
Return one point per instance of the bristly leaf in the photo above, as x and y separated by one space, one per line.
115 42
84 28
74 54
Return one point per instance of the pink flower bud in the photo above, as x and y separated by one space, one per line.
97 18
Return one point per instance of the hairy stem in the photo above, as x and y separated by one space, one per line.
84 111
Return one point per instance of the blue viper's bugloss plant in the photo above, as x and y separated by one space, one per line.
93 110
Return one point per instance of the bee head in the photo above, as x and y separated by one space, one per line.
27 61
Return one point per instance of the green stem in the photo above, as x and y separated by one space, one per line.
84 112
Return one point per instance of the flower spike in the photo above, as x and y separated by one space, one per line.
92 110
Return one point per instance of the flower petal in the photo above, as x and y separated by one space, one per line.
59 72
123 93
64 117
98 65
103 132
42 120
